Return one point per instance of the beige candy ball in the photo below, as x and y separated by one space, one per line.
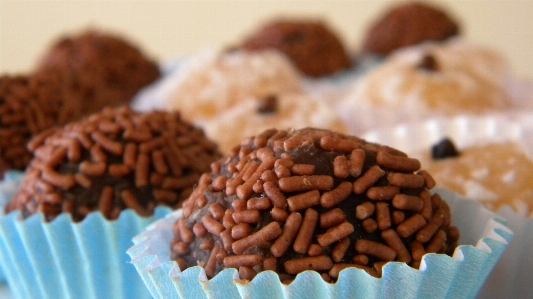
212 83
450 78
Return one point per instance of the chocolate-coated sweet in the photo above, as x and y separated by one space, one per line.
111 161
311 45
107 69
408 24
310 199
30 105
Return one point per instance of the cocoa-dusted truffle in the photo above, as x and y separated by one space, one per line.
408 24
113 160
311 45
107 69
28 106
311 199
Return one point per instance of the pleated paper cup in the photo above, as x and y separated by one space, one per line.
9 185
66 259
484 234
511 277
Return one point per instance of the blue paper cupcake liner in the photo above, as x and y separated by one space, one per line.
440 276
9 185
66 259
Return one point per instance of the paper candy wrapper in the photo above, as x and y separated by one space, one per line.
8 187
66 259
511 278
441 276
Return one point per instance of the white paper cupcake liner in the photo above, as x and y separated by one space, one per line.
440 276
511 277
66 259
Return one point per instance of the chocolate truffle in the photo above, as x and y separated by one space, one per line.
107 69
311 199
113 160
29 106
408 24
311 45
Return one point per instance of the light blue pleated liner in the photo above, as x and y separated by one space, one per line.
441 276
66 259
9 185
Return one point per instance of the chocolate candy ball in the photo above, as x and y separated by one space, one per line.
406 25
113 160
106 69
30 105
311 45
310 199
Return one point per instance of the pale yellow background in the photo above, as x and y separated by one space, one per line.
167 29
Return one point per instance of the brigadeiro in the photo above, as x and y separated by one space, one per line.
90 187
408 24
311 45
290 201
315 212
30 105
108 70
114 160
